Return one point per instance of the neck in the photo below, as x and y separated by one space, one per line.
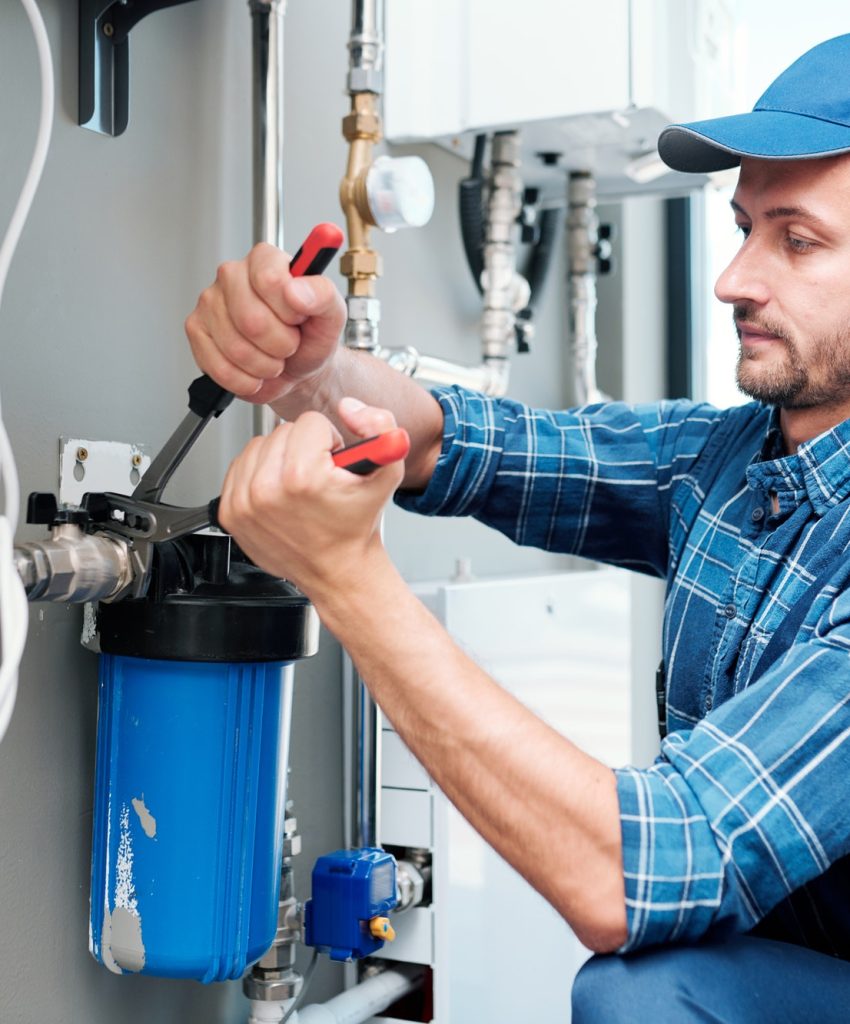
801 425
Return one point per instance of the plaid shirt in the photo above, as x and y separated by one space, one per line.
749 801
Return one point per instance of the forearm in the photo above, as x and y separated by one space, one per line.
549 809
360 375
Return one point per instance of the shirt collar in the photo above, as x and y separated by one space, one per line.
821 466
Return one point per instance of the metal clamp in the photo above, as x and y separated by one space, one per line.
105 25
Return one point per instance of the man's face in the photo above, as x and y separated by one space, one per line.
789 283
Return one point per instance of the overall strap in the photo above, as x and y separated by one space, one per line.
708 465
824 565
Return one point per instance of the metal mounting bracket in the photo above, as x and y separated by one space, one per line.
105 25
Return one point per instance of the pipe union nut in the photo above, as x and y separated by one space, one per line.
270 991
361 263
292 846
366 80
361 126
360 308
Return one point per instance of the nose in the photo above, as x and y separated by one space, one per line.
745 279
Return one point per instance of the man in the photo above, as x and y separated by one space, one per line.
738 836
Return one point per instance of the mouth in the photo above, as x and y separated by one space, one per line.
750 334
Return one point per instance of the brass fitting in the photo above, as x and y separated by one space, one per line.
362 129
361 263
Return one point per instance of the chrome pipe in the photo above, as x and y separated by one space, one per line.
490 377
366 47
499 278
367 767
582 243
267 37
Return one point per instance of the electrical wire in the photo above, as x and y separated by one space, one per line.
14 611
308 977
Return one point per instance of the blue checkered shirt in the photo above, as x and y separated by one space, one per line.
749 801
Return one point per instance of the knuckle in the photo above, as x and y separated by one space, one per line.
233 380
252 322
296 479
241 351
268 279
226 270
312 418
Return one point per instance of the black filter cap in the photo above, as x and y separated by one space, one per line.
200 609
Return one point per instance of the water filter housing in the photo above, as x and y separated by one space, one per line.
195 698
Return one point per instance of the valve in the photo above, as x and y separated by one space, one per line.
353 891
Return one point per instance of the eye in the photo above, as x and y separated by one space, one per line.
744 230
800 244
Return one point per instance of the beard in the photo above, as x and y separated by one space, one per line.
791 381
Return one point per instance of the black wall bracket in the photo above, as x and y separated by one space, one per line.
105 27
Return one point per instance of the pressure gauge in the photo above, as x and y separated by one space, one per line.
400 192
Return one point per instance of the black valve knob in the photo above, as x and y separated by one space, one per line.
42 508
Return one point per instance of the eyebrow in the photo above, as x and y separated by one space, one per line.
778 212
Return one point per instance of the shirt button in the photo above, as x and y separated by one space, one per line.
730 611
709 702
757 515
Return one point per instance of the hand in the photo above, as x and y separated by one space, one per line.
259 332
299 516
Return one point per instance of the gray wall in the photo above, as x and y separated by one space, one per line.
123 236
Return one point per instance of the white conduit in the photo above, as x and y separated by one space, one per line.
14 611
269 1013
359 1004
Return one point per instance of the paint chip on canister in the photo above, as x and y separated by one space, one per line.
146 819
122 945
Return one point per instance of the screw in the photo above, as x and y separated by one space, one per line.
82 454
136 460
109 29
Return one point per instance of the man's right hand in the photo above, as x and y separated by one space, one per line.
261 333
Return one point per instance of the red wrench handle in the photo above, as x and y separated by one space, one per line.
364 457
317 251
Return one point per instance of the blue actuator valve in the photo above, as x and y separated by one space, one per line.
353 891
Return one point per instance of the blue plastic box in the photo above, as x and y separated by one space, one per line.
350 887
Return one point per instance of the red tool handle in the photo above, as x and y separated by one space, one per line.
364 457
317 251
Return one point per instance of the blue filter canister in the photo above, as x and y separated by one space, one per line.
195 698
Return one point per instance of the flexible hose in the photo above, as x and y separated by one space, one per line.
471 211
542 253
14 611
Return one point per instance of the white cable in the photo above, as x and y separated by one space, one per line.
14 611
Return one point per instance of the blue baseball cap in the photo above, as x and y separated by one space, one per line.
805 113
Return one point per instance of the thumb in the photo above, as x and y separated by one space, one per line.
365 420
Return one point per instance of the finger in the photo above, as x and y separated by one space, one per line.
294 300
227 374
210 329
267 483
311 442
256 324
365 420
234 507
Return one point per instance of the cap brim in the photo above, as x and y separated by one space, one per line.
705 146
